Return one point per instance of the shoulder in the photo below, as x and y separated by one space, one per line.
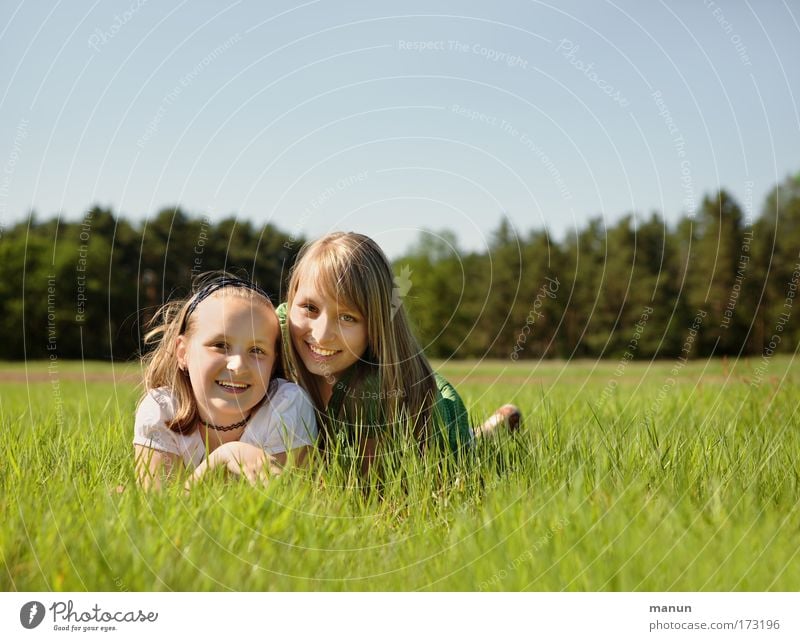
286 419
284 393
286 402
156 406
444 387
150 427
452 412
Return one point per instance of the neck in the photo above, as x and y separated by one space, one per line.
325 387
213 439
213 420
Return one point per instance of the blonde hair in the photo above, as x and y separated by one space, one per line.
174 319
352 267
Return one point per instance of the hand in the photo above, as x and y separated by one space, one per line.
239 459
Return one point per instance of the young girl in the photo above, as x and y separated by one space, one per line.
353 351
211 398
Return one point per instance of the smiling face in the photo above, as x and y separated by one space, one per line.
229 351
327 332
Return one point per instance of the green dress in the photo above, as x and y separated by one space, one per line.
363 401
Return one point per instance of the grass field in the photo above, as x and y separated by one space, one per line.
654 476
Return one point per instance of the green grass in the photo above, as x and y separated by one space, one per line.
685 484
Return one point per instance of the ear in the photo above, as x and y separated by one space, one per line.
180 351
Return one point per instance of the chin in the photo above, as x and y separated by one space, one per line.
318 370
323 370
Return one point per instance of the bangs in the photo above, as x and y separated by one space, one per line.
335 275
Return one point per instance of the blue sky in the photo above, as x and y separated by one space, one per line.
392 118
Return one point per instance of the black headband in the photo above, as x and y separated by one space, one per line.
214 286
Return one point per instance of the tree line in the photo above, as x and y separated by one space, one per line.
720 282
87 289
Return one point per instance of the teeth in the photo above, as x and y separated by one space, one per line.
233 385
320 351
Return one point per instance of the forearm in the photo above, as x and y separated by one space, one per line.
369 454
297 457
238 455
241 459
153 466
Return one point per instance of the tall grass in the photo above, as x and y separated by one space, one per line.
615 482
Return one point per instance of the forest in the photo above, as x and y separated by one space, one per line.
719 283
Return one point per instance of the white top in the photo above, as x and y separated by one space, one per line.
284 422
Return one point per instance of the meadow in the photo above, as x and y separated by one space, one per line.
625 476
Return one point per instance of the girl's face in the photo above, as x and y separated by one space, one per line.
329 334
229 355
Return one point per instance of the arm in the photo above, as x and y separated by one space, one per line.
369 453
152 466
297 457
155 448
248 460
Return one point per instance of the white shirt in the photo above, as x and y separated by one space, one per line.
284 422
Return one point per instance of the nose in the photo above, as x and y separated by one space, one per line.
323 329
235 362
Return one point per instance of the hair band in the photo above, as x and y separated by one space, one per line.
216 285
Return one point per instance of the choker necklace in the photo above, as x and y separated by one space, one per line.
226 428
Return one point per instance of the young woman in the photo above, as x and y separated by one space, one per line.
354 352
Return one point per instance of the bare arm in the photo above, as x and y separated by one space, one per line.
297 457
248 460
369 453
152 466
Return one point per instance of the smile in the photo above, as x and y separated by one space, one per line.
235 388
318 351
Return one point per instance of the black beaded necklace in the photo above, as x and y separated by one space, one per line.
226 428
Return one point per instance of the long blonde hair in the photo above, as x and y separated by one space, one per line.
353 268
174 319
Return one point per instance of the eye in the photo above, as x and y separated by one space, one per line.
348 318
221 345
310 309
258 351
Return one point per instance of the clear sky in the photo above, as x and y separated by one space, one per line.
393 117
